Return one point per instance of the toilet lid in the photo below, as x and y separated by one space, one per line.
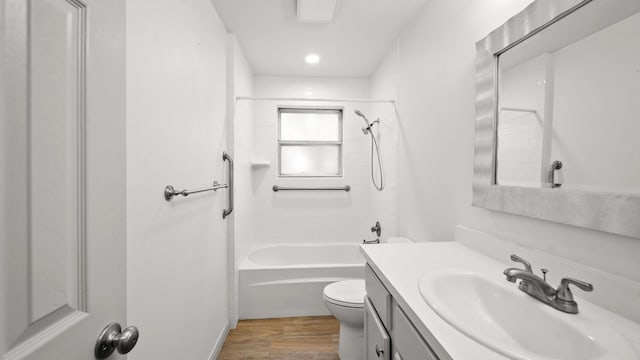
346 293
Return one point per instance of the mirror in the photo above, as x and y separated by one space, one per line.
568 103
558 115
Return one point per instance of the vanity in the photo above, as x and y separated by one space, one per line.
446 300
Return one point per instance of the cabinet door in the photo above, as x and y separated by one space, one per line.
377 344
379 296
407 342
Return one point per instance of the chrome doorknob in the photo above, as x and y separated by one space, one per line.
113 338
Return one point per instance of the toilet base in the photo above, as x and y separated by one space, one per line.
351 345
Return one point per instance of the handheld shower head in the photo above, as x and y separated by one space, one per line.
367 130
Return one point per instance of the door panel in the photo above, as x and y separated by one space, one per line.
56 146
65 71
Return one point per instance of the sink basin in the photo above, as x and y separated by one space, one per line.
504 319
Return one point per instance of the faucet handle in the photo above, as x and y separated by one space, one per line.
518 259
564 293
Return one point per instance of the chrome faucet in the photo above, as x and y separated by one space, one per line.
377 229
537 287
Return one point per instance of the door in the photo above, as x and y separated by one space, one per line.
63 176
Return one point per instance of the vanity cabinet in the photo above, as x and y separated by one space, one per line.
389 334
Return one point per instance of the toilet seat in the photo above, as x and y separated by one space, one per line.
347 293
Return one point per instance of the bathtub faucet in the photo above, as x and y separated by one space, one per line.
377 228
376 241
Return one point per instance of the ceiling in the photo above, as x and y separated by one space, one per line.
352 45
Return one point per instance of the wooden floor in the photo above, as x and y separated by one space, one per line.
299 338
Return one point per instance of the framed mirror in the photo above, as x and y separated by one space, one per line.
558 115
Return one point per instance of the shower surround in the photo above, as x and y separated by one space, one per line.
304 218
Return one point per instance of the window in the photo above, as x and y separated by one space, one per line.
310 142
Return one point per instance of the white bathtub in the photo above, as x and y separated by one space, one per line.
287 280
278 256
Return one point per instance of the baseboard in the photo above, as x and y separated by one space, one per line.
218 346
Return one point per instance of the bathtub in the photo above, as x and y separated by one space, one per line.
287 280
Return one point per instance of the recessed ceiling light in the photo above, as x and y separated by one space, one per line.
312 58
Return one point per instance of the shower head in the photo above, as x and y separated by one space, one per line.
367 128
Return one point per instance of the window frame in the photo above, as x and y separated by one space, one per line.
311 110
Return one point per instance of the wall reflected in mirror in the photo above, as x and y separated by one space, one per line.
569 105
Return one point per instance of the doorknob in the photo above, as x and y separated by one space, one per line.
114 338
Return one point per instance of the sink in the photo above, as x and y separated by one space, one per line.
504 319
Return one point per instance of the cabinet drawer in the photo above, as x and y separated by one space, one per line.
407 342
377 344
379 296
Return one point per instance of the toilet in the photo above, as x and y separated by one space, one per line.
345 300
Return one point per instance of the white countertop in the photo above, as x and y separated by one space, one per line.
401 266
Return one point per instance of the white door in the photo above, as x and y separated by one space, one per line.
63 176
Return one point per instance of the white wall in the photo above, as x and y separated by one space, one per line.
436 91
314 217
177 251
384 204
241 146
310 217
4 187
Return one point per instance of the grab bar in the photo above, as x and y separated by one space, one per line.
277 188
170 191
227 157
